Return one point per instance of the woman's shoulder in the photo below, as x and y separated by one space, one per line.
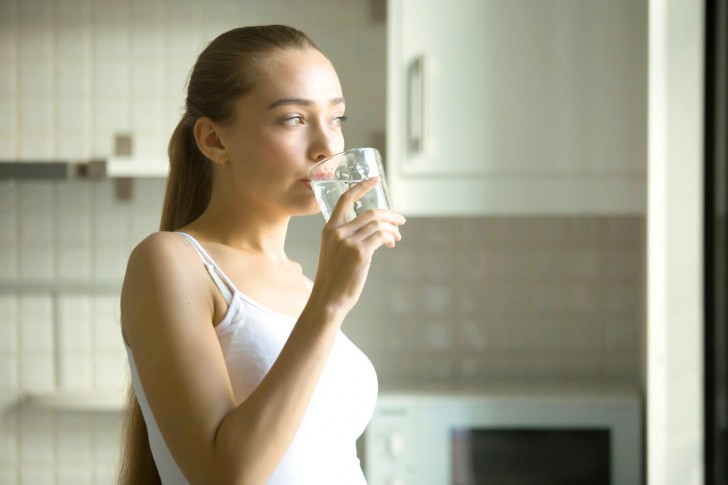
161 250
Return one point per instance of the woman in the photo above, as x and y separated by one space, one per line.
238 364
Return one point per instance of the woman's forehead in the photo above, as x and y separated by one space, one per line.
304 74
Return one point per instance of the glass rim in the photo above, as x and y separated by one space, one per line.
335 155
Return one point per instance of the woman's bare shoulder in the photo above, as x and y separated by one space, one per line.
160 249
163 259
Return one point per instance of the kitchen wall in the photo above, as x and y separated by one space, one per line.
464 303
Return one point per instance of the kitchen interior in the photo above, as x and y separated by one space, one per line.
525 276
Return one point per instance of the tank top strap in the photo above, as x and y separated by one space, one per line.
220 279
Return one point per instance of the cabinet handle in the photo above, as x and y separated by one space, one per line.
416 104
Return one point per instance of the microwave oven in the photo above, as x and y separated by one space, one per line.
526 438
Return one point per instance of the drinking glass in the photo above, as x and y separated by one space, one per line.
335 175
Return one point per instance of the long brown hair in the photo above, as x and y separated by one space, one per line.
224 71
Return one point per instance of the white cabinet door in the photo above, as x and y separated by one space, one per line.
517 106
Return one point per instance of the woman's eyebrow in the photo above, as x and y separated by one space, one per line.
302 102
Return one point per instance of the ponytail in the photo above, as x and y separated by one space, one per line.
189 184
136 464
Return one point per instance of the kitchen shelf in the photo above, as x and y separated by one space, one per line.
113 168
80 401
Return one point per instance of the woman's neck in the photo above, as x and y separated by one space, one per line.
242 226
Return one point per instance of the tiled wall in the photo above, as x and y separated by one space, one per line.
74 73
467 302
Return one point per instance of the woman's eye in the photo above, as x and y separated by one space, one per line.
293 120
339 120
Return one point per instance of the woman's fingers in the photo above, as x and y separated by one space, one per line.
347 199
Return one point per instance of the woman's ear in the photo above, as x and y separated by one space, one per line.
209 142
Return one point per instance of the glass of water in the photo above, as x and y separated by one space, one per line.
335 175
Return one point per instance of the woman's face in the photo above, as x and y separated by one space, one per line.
291 119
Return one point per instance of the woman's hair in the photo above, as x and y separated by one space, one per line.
225 71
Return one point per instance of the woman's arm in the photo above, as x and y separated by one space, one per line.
167 310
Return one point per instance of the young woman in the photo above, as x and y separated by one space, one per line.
240 372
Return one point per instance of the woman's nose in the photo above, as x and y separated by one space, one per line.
325 142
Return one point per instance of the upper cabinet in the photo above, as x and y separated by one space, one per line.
517 106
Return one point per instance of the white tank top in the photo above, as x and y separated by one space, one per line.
251 337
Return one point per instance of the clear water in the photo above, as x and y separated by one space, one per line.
328 192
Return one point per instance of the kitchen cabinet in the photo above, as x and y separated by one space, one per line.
517 106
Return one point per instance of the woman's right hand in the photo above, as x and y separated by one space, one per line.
347 248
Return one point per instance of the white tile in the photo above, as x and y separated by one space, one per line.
74 475
37 374
74 325
152 143
72 14
111 79
36 475
8 81
36 338
8 111
74 446
585 264
8 263
102 143
109 371
9 308
624 265
437 335
73 146
36 114
148 42
8 447
8 374
146 115
73 43
473 265
110 228
110 15
36 447
36 228
436 299
73 228
9 234
35 13
8 147
35 309
36 419
9 196
35 44
9 474
622 335
184 43
8 337
107 335
35 146
8 40
73 79
36 262
106 312
73 196
36 79
105 471
8 15
73 115
73 263
472 334
111 115
36 196
76 372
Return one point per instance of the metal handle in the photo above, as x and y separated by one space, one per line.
416 104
